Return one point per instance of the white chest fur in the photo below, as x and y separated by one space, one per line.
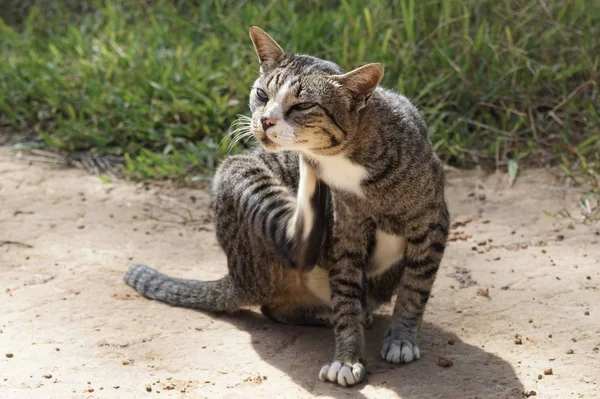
389 250
339 172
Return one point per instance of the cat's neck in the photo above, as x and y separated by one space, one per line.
339 172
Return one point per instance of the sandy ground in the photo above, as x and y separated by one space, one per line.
517 294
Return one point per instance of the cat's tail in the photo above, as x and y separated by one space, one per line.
212 296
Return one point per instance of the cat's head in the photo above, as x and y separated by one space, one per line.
305 104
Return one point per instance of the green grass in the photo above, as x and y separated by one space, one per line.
498 81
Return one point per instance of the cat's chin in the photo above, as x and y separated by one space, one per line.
268 144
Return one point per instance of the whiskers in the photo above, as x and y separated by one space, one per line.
240 130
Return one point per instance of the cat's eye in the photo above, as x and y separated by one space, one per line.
261 95
302 106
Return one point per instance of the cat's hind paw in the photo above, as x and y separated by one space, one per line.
399 351
343 374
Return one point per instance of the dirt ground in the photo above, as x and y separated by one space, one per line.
517 294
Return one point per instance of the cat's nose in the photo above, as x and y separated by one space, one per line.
267 123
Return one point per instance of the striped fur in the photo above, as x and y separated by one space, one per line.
341 208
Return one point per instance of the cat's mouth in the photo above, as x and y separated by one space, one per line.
265 141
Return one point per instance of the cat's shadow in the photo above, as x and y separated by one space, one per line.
300 352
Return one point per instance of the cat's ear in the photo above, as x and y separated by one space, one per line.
267 49
361 81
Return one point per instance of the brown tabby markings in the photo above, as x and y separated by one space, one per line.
346 179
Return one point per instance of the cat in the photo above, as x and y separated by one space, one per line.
340 207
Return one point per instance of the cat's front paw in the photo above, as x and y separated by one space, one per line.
345 374
398 350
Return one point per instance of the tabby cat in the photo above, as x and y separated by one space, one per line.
340 208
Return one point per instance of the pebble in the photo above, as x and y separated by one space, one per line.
47 375
548 372
9 355
444 362
148 388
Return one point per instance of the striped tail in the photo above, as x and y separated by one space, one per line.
212 296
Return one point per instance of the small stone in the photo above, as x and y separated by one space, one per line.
126 362
518 340
47 375
9 355
548 372
450 342
532 393
540 376
57 349
570 352
560 237
148 388
90 390
444 362
588 278
586 313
